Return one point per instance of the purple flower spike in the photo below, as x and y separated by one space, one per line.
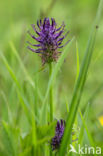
56 140
49 39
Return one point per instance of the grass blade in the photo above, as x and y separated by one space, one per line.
10 116
77 55
82 126
80 84
28 112
53 76
7 139
24 104
89 135
87 131
22 65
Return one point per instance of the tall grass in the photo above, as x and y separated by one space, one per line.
31 102
80 83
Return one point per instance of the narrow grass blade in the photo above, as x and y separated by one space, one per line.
82 126
25 107
28 112
53 76
27 75
10 70
75 99
87 131
22 65
7 139
66 102
34 138
77 56
10 116
80 84
19 89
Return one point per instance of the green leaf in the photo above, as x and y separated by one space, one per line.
81 134
52 78
27 75
87 131
88 134
77 55
34 137
28 112
7 139
46 131
26 152
10 116
80 84
22 65
26 140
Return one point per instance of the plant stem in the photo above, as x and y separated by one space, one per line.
51 94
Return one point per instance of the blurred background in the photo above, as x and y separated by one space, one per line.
78 16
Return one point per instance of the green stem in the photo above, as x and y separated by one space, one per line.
51 94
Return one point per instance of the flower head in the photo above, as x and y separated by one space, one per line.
49 39
56 140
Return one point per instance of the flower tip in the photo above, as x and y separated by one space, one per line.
50 39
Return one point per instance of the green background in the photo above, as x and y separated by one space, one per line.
78 16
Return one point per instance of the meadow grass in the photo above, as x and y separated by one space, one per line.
33 97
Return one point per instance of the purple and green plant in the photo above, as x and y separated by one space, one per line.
50 41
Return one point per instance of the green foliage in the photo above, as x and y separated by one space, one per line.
9 138
26 85
80 83
53 76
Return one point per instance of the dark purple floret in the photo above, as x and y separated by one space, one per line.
56 140
49 39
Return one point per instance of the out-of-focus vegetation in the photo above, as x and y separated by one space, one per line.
15 20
